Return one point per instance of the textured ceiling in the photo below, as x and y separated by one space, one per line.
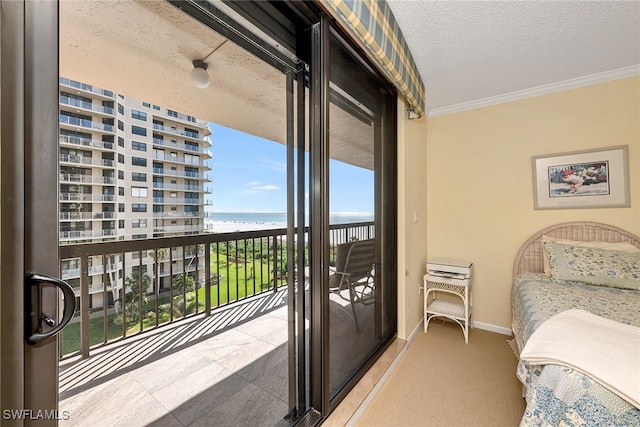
472 50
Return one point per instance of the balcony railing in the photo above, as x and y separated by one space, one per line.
85 123
76 197
86 87
180 201
181 187
86 105
159 281
176 131
171 172
87 142
68 158
86 179
70 216
182 214
195 149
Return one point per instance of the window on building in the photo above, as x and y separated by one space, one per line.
120 108
120 158
139 236
121 125
136 254
120 173
120 191
191 159
120 207
191 171
121 141
138 161
139 176
138 207
121 223
138 130
138 191
192 133
138 146
172 113
139 223
146 104
138 115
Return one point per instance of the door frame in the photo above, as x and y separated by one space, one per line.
28 184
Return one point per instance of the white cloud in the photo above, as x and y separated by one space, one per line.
259 186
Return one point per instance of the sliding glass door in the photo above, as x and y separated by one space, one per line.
361 292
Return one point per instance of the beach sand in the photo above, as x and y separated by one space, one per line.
231 227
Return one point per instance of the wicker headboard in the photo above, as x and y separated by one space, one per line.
529 257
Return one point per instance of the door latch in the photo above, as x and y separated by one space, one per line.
34 318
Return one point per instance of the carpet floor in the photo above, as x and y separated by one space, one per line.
442 382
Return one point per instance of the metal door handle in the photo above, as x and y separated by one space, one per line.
33 314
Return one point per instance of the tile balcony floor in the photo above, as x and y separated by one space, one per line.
229 369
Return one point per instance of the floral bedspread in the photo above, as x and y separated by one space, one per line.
557 395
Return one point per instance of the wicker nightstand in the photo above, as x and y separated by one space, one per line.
457 311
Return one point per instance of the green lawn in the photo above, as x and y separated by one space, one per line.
238 282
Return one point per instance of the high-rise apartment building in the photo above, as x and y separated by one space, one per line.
128 170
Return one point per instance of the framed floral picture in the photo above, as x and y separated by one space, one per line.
582 179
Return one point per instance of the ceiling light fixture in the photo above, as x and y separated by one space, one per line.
199 75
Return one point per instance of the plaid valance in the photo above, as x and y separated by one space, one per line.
372 23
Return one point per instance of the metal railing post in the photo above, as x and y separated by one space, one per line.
84 307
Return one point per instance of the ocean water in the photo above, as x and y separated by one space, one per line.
280 218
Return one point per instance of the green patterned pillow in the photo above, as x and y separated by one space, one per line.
616 269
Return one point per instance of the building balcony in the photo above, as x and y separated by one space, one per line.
177 228
171 130
179 146
190 365
181 214
181 373
169 172
85 142
177 159
86 216
72 178
179 201
88 106
88 124
86 234
181 187
82 160
82 197
187 120
86 88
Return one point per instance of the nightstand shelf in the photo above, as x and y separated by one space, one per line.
457 311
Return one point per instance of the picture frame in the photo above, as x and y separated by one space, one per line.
597 178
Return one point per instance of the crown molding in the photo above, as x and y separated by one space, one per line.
606 76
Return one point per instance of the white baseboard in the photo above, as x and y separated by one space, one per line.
414 332
492 328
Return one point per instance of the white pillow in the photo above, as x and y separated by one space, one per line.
612 246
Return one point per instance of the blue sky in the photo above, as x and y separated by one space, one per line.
248 174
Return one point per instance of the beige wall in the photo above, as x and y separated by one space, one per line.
412 236
479 182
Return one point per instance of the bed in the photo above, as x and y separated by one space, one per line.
557 394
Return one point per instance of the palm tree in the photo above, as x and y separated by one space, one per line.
136 295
